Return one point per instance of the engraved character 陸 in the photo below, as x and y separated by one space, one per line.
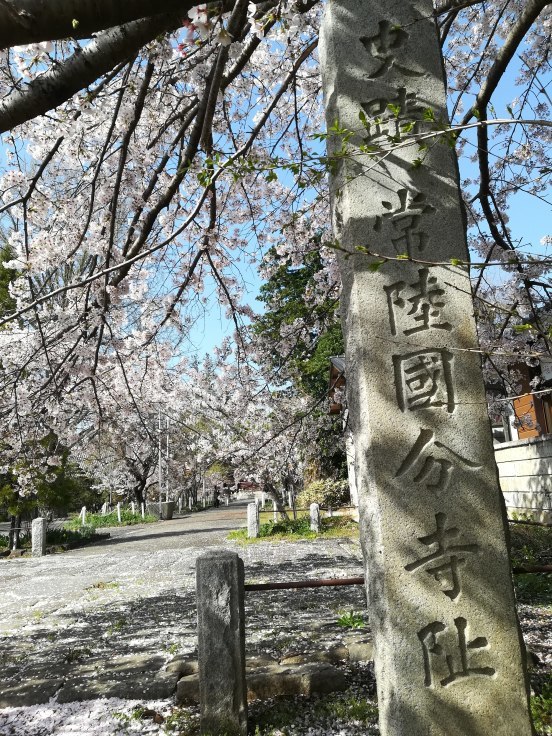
419 305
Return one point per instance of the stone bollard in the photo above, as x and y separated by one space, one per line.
83 515
252 520
143 511
132 507
227 500
221 644
330 511
315 517
204 502
190 503
274 512
263 499
119 512
180 504
38 536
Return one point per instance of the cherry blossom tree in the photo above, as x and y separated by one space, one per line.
150 159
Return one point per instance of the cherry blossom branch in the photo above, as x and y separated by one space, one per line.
528 15
62 81
24 22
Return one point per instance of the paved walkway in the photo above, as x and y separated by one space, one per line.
107 619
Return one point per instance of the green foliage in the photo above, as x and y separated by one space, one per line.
530 545
284 297
7 303
541 709
55 537
328 493
351 620
291 530
96 521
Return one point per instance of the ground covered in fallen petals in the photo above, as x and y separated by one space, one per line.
77 617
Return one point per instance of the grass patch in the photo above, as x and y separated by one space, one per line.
351 620
290 530
97 521
541 709
55 538
274 718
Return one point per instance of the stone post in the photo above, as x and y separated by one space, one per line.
132 507
83 515
448 658
143 510
221 644
274 511
119 512
38 536
315 517
252 520
190 503
263 499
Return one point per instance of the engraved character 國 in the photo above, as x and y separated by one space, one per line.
433 462
458 667
423 379
448 554
419 304
404 220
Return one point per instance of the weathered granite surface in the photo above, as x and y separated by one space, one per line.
447 646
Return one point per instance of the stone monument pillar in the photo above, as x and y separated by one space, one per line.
38 536
449 657
221 644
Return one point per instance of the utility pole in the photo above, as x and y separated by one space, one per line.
168 465
160 468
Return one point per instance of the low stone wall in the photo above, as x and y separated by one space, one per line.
525 472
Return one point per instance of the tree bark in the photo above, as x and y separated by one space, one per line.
86 65
32 21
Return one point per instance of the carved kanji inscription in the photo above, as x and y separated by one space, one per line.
423 379
401 223
432 463
457 663
449 556
383 46
388 117
417 306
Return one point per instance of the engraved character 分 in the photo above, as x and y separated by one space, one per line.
445 551
435 653
423 379
437 462
422 310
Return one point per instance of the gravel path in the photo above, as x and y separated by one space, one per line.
105 620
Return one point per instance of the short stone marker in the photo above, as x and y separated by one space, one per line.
274 511
132 508
252 520
119 512
104 508
83 515
315 518
190 503
221 644
447 646
143 510
38 536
